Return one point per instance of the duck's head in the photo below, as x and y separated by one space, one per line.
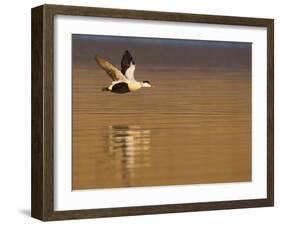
146 84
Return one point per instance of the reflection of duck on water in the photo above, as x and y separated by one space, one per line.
129 147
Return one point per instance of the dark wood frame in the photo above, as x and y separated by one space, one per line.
42 203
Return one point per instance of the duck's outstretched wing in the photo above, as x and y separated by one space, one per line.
128 66
110 69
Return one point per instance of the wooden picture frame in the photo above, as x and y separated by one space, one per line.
42 203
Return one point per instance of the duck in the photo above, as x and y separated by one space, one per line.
123 81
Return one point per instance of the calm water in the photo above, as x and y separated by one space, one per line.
191 128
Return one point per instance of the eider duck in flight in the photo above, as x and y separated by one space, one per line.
122 81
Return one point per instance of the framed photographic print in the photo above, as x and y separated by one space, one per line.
141 112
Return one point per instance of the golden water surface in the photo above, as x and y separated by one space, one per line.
190 128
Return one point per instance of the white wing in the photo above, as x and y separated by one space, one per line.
128 66
130 72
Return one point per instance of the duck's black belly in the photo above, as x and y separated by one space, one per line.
121 87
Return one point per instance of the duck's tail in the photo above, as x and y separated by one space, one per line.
105 89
